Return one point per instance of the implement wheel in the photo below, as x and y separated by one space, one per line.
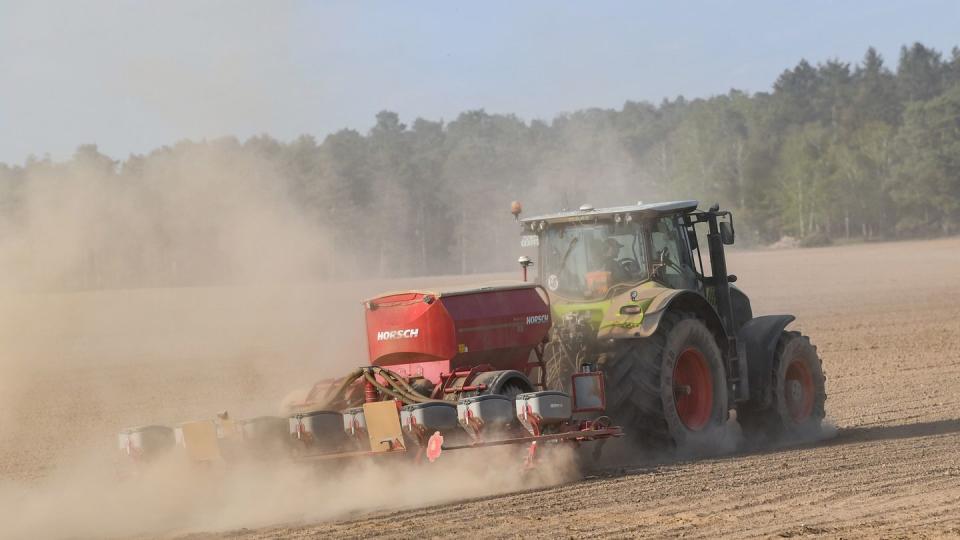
504 382
669 389
798 392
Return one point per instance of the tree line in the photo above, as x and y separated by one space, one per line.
834 151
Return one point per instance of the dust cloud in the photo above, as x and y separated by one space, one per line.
174 497
186 289
118 296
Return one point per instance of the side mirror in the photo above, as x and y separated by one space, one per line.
692 239
726 232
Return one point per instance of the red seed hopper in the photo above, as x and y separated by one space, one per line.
440 337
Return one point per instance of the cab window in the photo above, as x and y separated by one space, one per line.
670 253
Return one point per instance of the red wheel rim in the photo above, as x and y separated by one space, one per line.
693 389
798 390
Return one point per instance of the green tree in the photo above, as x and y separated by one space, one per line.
875 98
920 73
928 173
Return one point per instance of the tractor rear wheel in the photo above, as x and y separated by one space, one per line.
670 388
798 392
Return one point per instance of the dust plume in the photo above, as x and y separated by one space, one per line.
174 497
167 293
183 285
122 296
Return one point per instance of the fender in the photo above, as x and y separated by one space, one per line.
496 380
658 301
757 340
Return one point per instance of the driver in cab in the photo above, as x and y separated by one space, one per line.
607 260
611 257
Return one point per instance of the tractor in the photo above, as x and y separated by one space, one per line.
677 343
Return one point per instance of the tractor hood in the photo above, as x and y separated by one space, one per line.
633 313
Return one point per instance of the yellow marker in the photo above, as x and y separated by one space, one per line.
383 426
200 440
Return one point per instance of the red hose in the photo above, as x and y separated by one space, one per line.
370 394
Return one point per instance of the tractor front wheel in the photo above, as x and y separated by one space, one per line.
670 388
798 393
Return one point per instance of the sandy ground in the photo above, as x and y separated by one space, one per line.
885 317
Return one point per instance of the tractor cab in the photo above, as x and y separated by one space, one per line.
590 254
592 259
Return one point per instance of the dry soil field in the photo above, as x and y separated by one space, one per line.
886 318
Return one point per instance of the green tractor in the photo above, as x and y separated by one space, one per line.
678 344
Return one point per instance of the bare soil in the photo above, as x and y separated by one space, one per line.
885 317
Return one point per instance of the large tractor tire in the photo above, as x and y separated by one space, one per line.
797 408
560 363
669 389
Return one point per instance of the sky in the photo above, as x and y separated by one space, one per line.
133 76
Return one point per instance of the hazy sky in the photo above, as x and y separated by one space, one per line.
131 76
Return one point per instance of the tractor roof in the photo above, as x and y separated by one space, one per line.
587 212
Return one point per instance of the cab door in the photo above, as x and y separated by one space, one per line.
671 253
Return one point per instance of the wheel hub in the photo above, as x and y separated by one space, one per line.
798 390
693 389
